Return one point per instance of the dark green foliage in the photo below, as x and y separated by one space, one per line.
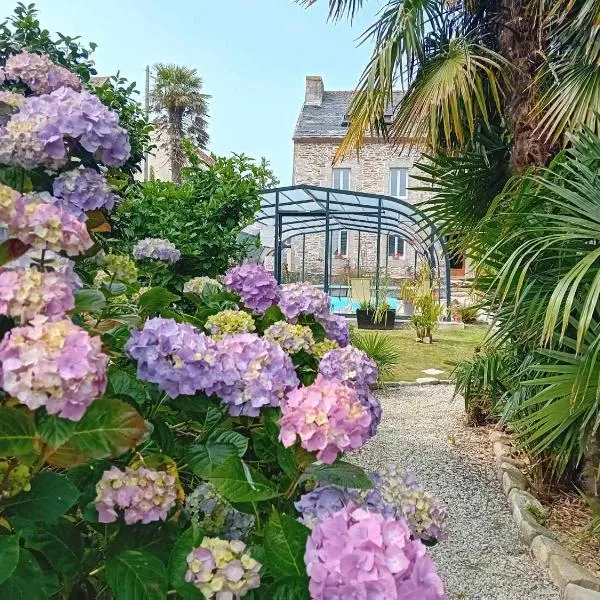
203 216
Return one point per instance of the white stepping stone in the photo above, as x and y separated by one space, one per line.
432 372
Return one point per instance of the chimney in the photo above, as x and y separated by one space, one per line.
313 95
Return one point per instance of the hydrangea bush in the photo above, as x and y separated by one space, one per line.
159 444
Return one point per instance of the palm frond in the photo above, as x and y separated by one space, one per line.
338 9
381 348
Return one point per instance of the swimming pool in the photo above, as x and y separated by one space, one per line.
344 304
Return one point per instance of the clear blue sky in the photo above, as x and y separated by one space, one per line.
252 54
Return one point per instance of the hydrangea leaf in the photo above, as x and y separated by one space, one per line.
290 588
10 250
9 556
50 497
17 432
203 459
285 459
340 473
227 436
134 574
189 540
237 482
61 544
89 301
26 581
122 383
155 299
285 542
108 428
53 430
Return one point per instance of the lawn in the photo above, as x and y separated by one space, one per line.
449 346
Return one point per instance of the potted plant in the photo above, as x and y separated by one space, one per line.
384 316
364 315
427 315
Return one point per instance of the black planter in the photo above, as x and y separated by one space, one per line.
365 319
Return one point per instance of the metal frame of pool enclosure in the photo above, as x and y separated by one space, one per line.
299 210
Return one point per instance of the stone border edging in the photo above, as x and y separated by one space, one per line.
575 581
429 381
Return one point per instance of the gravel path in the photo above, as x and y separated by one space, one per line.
483 559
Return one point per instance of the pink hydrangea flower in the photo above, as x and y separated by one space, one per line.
145 495
360 554
328 416
48 227
39 73
26 293
53 364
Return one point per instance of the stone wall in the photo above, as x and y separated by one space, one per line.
369 172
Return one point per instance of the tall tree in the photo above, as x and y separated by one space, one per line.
182 111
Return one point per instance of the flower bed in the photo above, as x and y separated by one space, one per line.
157 444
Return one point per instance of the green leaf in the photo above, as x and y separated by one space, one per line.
155 299
227 436
271 316
110 290
340 473
290 588
10 250
89 300
26 582
189 540
55 431
285 459
136 575
203 459
9 556
122 383
17 431
237 482
61 544
285 543
109 427
50 497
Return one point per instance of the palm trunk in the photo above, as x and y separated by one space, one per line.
176 153
522 43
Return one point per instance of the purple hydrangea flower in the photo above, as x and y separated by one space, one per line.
327 416
250 372
83 189
175 356
222 569
41 133
156 249
25 293
350 365
297 299
53 364
12 205
39 73
145 495
254 284
360 554
336 328
426 517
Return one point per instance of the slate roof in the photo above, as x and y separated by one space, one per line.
326 120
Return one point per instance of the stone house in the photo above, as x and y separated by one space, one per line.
380 168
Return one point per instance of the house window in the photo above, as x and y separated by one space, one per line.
340 244
395 246
341 179
398 182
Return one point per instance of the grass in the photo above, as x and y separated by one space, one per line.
448 347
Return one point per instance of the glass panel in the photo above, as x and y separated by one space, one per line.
343 242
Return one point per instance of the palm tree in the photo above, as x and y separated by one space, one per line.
181 109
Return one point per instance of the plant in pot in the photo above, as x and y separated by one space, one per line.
384 316
364 315
427 315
